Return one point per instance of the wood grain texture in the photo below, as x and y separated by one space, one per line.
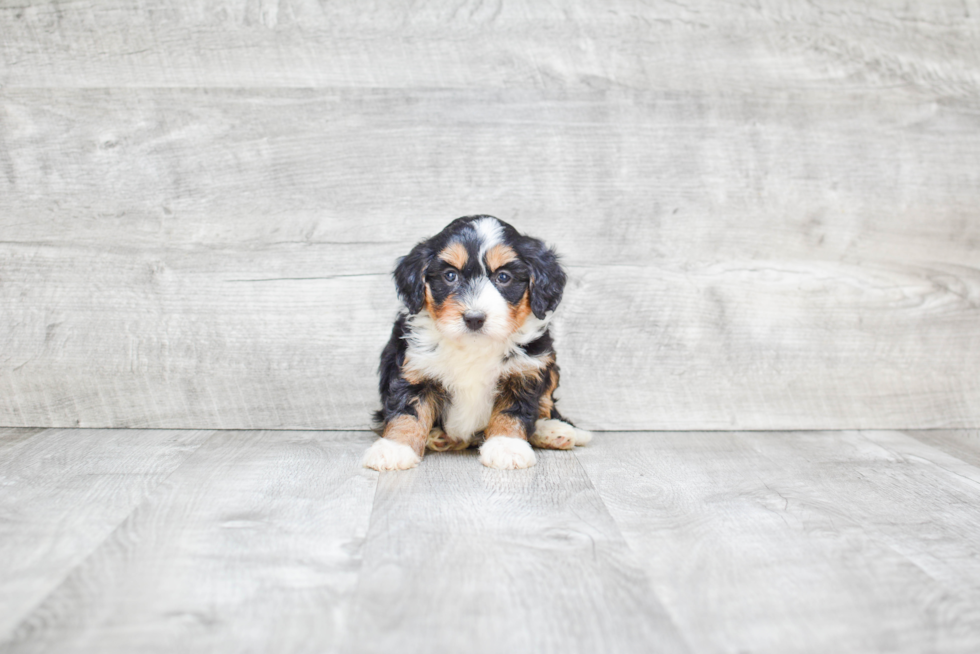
465 558
762 206
251 545
766 45
802 542
960 443
205 336
248 286
641 176
11 436
64 492
146 540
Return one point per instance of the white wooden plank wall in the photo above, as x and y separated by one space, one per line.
769 211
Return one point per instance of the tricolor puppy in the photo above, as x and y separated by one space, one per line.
470 359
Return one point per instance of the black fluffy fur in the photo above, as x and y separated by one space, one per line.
538 267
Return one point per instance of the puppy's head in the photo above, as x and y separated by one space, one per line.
479 277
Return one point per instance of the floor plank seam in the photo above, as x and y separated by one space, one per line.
924 461
636 557
11 639
344 640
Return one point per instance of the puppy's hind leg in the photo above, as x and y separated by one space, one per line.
551 431
554 434
440 441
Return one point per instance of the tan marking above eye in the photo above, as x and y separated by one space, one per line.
455 255
500 255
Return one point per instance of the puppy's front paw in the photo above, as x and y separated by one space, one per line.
558 435
507 453
385 454
440 441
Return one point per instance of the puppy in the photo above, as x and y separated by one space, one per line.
470 359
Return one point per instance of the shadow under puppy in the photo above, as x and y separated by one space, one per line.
470 358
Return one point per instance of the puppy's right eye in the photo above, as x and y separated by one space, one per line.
450 276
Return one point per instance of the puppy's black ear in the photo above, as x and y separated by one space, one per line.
410 277
547 277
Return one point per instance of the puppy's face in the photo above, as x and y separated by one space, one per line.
479 278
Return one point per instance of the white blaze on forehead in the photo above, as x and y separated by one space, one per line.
483 297
489 233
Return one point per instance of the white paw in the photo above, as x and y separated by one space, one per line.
389 455
558 435
440 441
507 453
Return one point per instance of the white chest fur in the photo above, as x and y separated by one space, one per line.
469 369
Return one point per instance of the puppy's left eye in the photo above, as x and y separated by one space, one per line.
502 278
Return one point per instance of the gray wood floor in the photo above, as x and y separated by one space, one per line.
155 540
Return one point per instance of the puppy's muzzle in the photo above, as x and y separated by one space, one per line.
474 320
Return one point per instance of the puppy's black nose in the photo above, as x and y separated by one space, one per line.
474 320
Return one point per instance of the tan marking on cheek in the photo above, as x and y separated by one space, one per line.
410 430
504 424
519 312
449 311
429 304
499 255
455 255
